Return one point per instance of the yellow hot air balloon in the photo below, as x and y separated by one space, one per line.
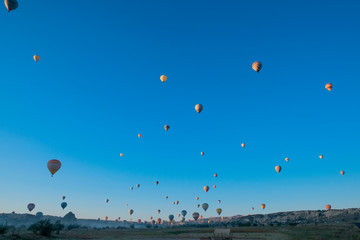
202 153
328 206
206 188
166 127
263 206
36 58
257 66
342 172
53 166
321 156
243 145
219 211
287 159
198 108
11 4
163 78
328 86
278 169
121 154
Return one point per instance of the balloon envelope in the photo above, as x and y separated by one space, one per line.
131 212
206 188
167 127
243 145
53 166
257 66
215 175
262 206
183 212
11 4
342 172
196 215
36 58
328 86
31 206
63 205
219 211
171 217
287 159
202 153
328 206
198 108
205 206
278 169
163 78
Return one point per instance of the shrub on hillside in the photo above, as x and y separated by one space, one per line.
3 228
43 228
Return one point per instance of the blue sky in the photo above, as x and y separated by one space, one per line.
97 86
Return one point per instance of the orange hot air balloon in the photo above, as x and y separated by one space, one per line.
121 154
53 166
215 175
198 108
139 135
202 153
262 206
127 204
206 188
342 172
257 66
201 216
36 58
328 206
243 145
328 86
278 169
151 218
166 127
321 156
131 212
287 159
197 198
163 78
214 186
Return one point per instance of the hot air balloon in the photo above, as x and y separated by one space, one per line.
177 202
171 217
198 108
215 175
139 135
198 205
257 66
219 211
167 127
131 188
121 154
166 197
214 186
139 221
63 197
252 208
106 218
11 4
262 206
243 145
196 215
173 203
106 200
63 205
131 212
138 185
158 211
197 198
328 206
342 172
163 78
205 206
328 86
206 188
53 166
36 58
183 212
202 153
179 215
151 218
31 206
287 159
182 219
127 204
278 169
152 222
156 183
321 156
219 201
158 220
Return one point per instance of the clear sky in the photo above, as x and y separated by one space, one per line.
97 87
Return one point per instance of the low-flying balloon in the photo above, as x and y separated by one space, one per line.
257 66
183 212
53 165
171 217
206 188
328 206
196 215
198 108
139 221
262 206
31 206
219 211
163 78
158 220
278 169
205 206
63 205
106 218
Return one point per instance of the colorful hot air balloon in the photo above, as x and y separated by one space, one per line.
179 215
106 200
158 220
214 186
163 78
198 108
287 159
36 58
127 204
328 206
166 197
278 169
257 66
11 4
202 153
197 198
183 212
182 219
252 208
219 201
158 211
63 205
177 202
151 218
171 217
167 127
201 216
63 197
206 188
156 183
198 205
138 185
205 206
131 212
31 206
53 166
139 135
342 172
106 218
196 215
153 222
131 188
215 175
243 145
321 156
219 211
138 221
262 206
173 203
328 86
121 154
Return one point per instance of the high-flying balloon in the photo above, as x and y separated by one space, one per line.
131 212
243 145
205 206
197 198
163 78
206 188
263 206
131 188
63 205
214 186
252 208
36 58
171 217
202 153
177 202
328 86
158 211
138 185
219 201
342 172
53 165
278 169
183 212
31 206
321 156
167 127
287 159
166 197
257 66
196 215
63 197
121 154
11 4
156 183
198 205
106 200
173 203
198 108
328 206
139 135
219 211
215 175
